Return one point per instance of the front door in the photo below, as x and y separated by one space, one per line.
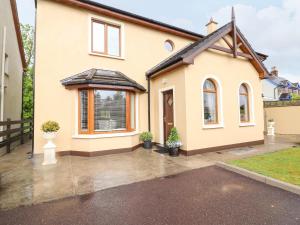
168 118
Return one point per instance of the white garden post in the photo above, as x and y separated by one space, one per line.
271 128
49 149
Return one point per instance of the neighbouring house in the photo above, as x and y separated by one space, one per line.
274 86
106 75
12 62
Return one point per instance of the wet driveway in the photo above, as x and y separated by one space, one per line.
27 182
202 196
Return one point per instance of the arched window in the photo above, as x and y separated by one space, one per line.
210 96
244 104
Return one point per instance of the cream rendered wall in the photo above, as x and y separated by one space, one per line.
188 81
172 80
231 73
13 81
62 47
286 119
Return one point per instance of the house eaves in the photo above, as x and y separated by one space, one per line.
187 54
18 32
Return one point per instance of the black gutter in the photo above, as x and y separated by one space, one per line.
149 110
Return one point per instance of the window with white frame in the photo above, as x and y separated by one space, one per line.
105 38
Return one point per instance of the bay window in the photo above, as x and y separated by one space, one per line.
102 111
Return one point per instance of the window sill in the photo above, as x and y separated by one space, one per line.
106 56
247 124
213 126
98 136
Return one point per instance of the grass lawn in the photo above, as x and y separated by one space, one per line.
282 165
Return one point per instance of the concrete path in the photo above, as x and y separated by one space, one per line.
26 182
208 196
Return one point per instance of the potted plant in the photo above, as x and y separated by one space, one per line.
146 137
50 129
271 127
173 142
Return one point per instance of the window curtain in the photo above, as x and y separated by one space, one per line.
210 112
109 110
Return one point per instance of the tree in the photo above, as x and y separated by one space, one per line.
28 43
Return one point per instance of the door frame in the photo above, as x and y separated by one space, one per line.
161 111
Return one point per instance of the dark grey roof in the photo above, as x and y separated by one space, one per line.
140 17
200 44
102 77
181 54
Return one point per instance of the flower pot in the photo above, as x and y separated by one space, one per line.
147 144
174 152
49 148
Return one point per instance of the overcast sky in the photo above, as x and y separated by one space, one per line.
271 26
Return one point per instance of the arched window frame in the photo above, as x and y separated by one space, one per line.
219 97
251 115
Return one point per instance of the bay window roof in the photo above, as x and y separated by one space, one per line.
102 78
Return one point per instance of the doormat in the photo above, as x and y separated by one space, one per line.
162 149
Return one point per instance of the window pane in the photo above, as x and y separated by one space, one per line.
244 108
83 109
243 89
132 111
98 37
209 85
113 39
210 109
110 110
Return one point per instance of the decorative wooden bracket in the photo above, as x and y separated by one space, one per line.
227 42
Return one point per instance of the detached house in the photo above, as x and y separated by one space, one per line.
274 86
106 75
12 62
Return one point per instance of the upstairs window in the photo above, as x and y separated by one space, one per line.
106 38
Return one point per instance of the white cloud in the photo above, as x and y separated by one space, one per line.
272 30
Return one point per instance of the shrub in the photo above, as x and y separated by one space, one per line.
173 139
50 126
146 136
295 97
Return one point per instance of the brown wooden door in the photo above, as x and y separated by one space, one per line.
168 118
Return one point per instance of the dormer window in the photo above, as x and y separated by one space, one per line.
106 38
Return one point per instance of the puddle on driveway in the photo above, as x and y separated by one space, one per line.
243 151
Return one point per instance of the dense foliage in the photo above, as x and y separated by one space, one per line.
146 136
173 139
28 42
50 126
295 97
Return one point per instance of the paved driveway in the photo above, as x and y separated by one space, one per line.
203 196
27 182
